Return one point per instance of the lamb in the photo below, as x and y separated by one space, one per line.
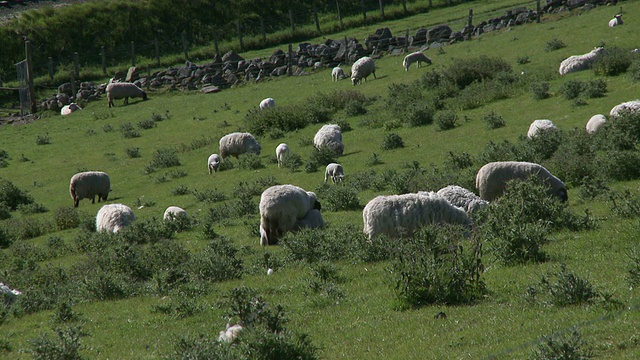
282 150
539 127
230 334
213 163
88 184
361 69
462 198
595 123
399 215
124 90
492 178
580 62
174 212
112 218
632 106
236 144
329 136
617 20
337 74
68 109
418 57
281 206
335 172
267 103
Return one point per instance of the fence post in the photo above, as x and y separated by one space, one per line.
133 54
339 15
538 11
404 6
148 76
364 11
346 51
381 8
103 59
76 64
157 46
32 88
262 30
406 40
184 46
290 60
315 16
293 26
74 91
240 35
470 18
430 4
50 68
215 43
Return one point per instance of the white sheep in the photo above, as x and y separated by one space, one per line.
113 217
281 207
10 293
236 144
632 106
399 215
539 127
337 74
595 123
580 62
230 334
68 109
213 163
312 220
267 103
329 136
174 212
617 20
335 172
361 69
492 178
88 184
462 198
124 90
417 57
282 150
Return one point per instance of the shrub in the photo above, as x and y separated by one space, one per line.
43 139
355 108
613 62
464 72
340 197
107 128
250 161
284 118
446 120
162 158
634 70
209 195
319 158
344 125
3 159
5 211
567 289
624 204
523 60
392 141
292 161
133 152
218 262
493 121
540 90
418 114
6 239
633 268
66 344
374 159
180 190
570 346
33 208
571 89
622 165
12 196
595 88
147 124
128 131
554 44
66 217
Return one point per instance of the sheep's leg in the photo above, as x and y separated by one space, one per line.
93 199
126 100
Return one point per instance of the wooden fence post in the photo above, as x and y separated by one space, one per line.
76 64
346 51
404 6
184 46
240 34
470 18
364 11
32 88
406 40
381 8
215 43
290 61
538 9
315 16
262 29
103 59
339 15
74 91
50 68
293 26
133 54
157 46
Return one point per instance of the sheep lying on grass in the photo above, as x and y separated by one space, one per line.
88 184
617 20
213 163
124 90
595 123
632 106
267 103
335 172
329 136
580 62
361 69
112 218
282 150
417 57
230 334
462 198
492 178
539 127
236 144
68 109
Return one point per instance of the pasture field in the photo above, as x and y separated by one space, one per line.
364 321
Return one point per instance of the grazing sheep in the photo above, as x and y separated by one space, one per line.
88 184
580 62
617 20
124 90
632 106
267 103
281 207
417 57
361 69
68 109
213 163
230 333
337 74
174 212
282 150
462 198
539 127
399 215
492 178
312 220
595 123
236 144
335 172
329 136
113 217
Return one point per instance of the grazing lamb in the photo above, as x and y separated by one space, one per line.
492 178
213 163
337 74
281 207
335 172
462 198
632 106
174 212
236 144
399 215
539 127
595 123
267 103
88 184
68 109
124 90
617 20
580 62
113 217
230 333
417 57
282 150
329 136
361 69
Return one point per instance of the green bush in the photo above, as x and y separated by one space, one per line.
162 158
634 70
4 156
567 288
6 239
633 267
554 44
33 208
64 345
338 198
624 204
613 62
464 72
292 161
66 217
571 89
128 131
319 158
446 119
418 114
392 141
133 152
355 108
43 139
180 190
5 211
147 124
540 90
209 195
493 121
250 161
595 88
558 346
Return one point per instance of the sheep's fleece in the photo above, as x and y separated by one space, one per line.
88 184
462 198
237 143
113 217
329 136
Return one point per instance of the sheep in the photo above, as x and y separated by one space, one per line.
68 109
124 90
539 127
335 172
398 215
329 136
213 163
236 144
632 106
88 184
174 212
230 334
312 220
282 150
112 218
462 198
281 206
595 123
617 20
361 69
337 74
417 57
492 178
267 103
580 62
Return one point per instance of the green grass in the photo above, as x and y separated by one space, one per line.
365 323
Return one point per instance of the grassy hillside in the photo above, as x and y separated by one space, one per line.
363 320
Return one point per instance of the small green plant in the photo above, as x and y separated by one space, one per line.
567 346
66 217
596 88
624 204
374 159
107 128
554 44
65 344
43 139
337 198
209 195
568 288
392 141
162 158
523 60
144 202
494 121
180 190
613 62
446 120
12 196
355 108
147 124
571 89
33 208
292 161
250 161
128 131
540 90
634 70
633 268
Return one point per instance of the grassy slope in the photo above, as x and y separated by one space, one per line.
364 325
